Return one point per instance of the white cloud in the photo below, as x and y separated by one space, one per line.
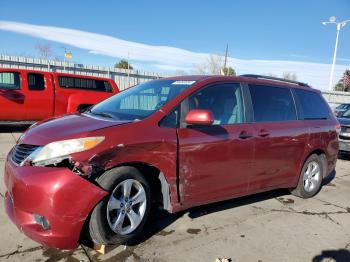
168 58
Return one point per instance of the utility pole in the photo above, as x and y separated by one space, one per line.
225 62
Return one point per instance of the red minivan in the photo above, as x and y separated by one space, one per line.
28 95
174 143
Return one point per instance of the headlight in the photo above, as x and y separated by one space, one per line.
55 152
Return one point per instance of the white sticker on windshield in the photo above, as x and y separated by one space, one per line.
183 82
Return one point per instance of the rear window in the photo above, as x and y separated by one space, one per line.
84 84
312 105
10 80
272 104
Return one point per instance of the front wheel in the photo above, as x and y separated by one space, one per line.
310 179
121 215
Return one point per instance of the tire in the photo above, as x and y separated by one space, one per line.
106 213
311 177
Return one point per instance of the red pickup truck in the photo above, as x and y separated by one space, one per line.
28 95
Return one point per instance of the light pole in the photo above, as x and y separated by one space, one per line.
340 25
66 55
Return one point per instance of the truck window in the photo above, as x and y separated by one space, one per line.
36 82
10 80
272 104
312 105
84 84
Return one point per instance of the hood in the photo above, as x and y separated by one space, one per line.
65 127
344 121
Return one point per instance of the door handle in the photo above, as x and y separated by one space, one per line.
263 133
14 97
244 135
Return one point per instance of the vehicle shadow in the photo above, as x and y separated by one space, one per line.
339 255
162 219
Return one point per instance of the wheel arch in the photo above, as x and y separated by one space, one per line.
160 188
322 154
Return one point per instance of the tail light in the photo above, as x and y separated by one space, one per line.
338 128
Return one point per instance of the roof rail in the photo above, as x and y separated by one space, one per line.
276 79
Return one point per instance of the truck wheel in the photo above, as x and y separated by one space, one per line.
310 179
121 215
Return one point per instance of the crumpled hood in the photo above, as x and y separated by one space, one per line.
344 121
65 127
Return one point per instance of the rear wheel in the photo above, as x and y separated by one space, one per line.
121 215
310 179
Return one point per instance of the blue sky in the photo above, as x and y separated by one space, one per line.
263 36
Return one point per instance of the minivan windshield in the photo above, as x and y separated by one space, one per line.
139 102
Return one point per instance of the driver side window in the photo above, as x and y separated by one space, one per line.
10 80
223 100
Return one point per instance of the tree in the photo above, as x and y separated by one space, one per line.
290 76
272 75
344 83
44 50
213 65
228 71
123 64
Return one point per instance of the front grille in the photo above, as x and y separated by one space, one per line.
345 129
344 137
21 152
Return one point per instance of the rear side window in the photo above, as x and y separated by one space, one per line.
312 105
10 80
272 104
84 84
36 82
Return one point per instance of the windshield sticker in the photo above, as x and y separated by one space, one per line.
183 82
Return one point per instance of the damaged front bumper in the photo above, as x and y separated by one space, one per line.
49 204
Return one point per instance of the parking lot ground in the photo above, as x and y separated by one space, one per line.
272 226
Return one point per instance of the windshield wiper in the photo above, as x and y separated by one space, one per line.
104 114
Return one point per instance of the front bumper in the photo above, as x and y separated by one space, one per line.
344 145
62 197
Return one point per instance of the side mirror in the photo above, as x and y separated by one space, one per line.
199 117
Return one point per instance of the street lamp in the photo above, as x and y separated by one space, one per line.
340 25
66 55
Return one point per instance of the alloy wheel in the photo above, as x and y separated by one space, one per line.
126 206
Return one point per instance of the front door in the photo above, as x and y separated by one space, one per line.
12 107
215 161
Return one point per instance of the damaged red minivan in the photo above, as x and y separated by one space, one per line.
174 143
